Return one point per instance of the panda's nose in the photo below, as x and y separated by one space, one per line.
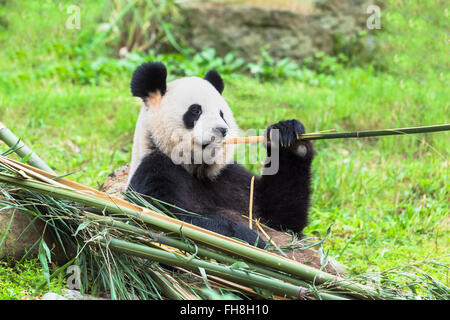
221 130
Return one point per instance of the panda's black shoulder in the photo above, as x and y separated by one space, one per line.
157 168
156 161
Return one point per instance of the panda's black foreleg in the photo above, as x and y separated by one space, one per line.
224 226
283 198
218 224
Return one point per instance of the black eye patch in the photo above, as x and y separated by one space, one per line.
192 115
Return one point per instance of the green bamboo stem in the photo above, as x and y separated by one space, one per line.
254 254
375 133
22 149
235 275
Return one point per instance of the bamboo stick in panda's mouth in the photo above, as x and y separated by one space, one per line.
253 139
355 134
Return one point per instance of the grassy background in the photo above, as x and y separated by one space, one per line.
385 198
18 280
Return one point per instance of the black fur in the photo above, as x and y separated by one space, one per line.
192 115
284 198
149 78
281 200
215 79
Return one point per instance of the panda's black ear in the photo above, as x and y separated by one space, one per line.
148 78
216 80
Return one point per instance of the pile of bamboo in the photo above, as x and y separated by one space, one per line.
123 248
157 237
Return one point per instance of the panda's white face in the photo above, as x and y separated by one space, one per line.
189 124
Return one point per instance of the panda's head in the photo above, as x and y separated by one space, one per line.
187 119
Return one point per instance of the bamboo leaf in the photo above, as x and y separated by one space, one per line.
204 277
81 227
44 256
239 265
7 228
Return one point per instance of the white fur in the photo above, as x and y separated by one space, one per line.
140 141
164 122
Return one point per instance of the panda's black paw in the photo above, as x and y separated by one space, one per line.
287 137
288 132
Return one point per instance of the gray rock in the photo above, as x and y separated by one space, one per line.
248 29
23 233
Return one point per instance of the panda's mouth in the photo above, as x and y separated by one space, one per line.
212 144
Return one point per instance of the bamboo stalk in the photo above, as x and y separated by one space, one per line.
22 149
250 205
205 236
355 134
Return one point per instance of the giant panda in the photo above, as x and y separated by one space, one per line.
191 114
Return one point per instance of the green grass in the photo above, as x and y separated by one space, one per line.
19 280
386 198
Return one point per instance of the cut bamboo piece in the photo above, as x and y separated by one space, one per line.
22 149
252 139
